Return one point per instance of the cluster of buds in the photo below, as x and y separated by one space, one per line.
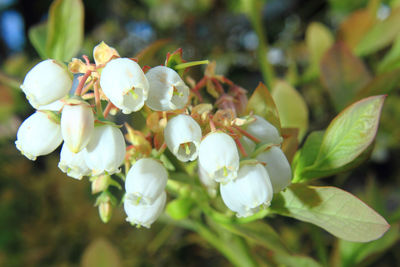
242 154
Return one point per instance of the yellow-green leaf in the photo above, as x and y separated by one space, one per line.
350 133
380 35
293 111
65 29
337 211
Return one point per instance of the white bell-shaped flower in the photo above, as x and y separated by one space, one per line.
264 131
145 181
250 190
142 214
38 135
105 151
77 124
124 83
219 157
277 166
207 181
167 90
248 145
46 82
182 136
73 164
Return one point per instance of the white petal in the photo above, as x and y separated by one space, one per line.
219 157
125 84
77 124
182 136
250 190
146 180
278 168
263 130
167 90
46 82
38 135
73 164
207 181
142 214
105 151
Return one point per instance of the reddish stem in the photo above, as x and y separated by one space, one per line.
78 90
212 125
240 146
218 86
97 97
245 133
85 57
200 84
107 109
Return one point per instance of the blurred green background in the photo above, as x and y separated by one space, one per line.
49 219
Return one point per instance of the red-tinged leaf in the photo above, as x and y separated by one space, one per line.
355 26
261 103
380 35
343 74
337 211
381 84
290 142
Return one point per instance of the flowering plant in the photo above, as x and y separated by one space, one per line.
210 158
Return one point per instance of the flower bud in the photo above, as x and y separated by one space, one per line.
38 135
125 84
251 189
73 164
182 136
105 151
277 166
167 90
142 214
105 211
264 131
77 124
46 82
219 157
145 181
207 181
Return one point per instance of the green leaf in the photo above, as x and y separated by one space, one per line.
65 29
261 103
343 75
349 134
337 211
380 35
354 253
308 154
260 233
179 208
392 58
38 38
318 40
293 111
295 261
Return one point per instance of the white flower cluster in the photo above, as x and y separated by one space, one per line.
245 189
91 149
96 147
87 150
